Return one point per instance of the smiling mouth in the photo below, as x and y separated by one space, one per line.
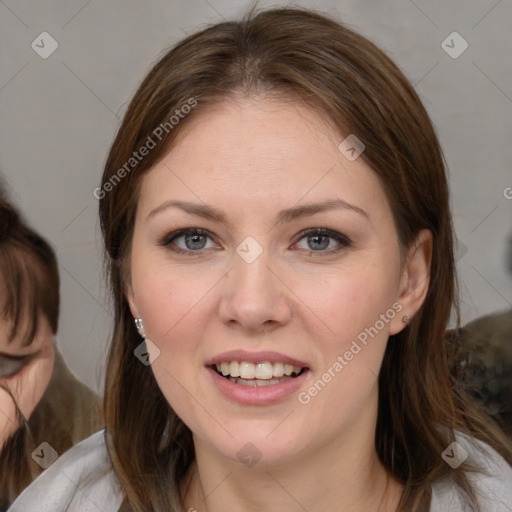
259 374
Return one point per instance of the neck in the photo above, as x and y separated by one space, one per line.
342 475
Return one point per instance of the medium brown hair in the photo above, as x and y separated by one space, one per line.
296 55
29 276
29 281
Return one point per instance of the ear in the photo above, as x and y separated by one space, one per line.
415 279
130 297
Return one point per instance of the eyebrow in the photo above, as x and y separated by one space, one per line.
288 215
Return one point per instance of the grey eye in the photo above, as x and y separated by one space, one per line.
10 365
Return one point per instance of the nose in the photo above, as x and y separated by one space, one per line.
255 297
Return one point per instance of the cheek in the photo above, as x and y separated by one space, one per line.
348 303
177 368
358 315
30 385
8 421
171 301
168 296
172 307
27 387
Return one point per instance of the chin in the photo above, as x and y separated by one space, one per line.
257 449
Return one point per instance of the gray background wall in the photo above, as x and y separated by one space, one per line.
59 115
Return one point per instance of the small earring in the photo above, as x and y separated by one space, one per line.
140 327
405 319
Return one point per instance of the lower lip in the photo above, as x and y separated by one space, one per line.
257 395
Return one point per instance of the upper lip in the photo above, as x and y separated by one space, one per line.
255 357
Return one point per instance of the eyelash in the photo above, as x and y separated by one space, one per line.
343 240
8 363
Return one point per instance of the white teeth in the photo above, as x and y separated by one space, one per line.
234 369
278 370
265 371
247 370
257 382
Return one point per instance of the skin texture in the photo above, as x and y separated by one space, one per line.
30 382
252 158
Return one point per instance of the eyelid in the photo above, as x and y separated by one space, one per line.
343 240
324 231
169 237
11 365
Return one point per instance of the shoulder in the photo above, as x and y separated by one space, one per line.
81 479
492 485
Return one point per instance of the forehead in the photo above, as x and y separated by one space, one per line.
258 135
260 152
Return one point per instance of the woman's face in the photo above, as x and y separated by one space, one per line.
259 289
25 371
